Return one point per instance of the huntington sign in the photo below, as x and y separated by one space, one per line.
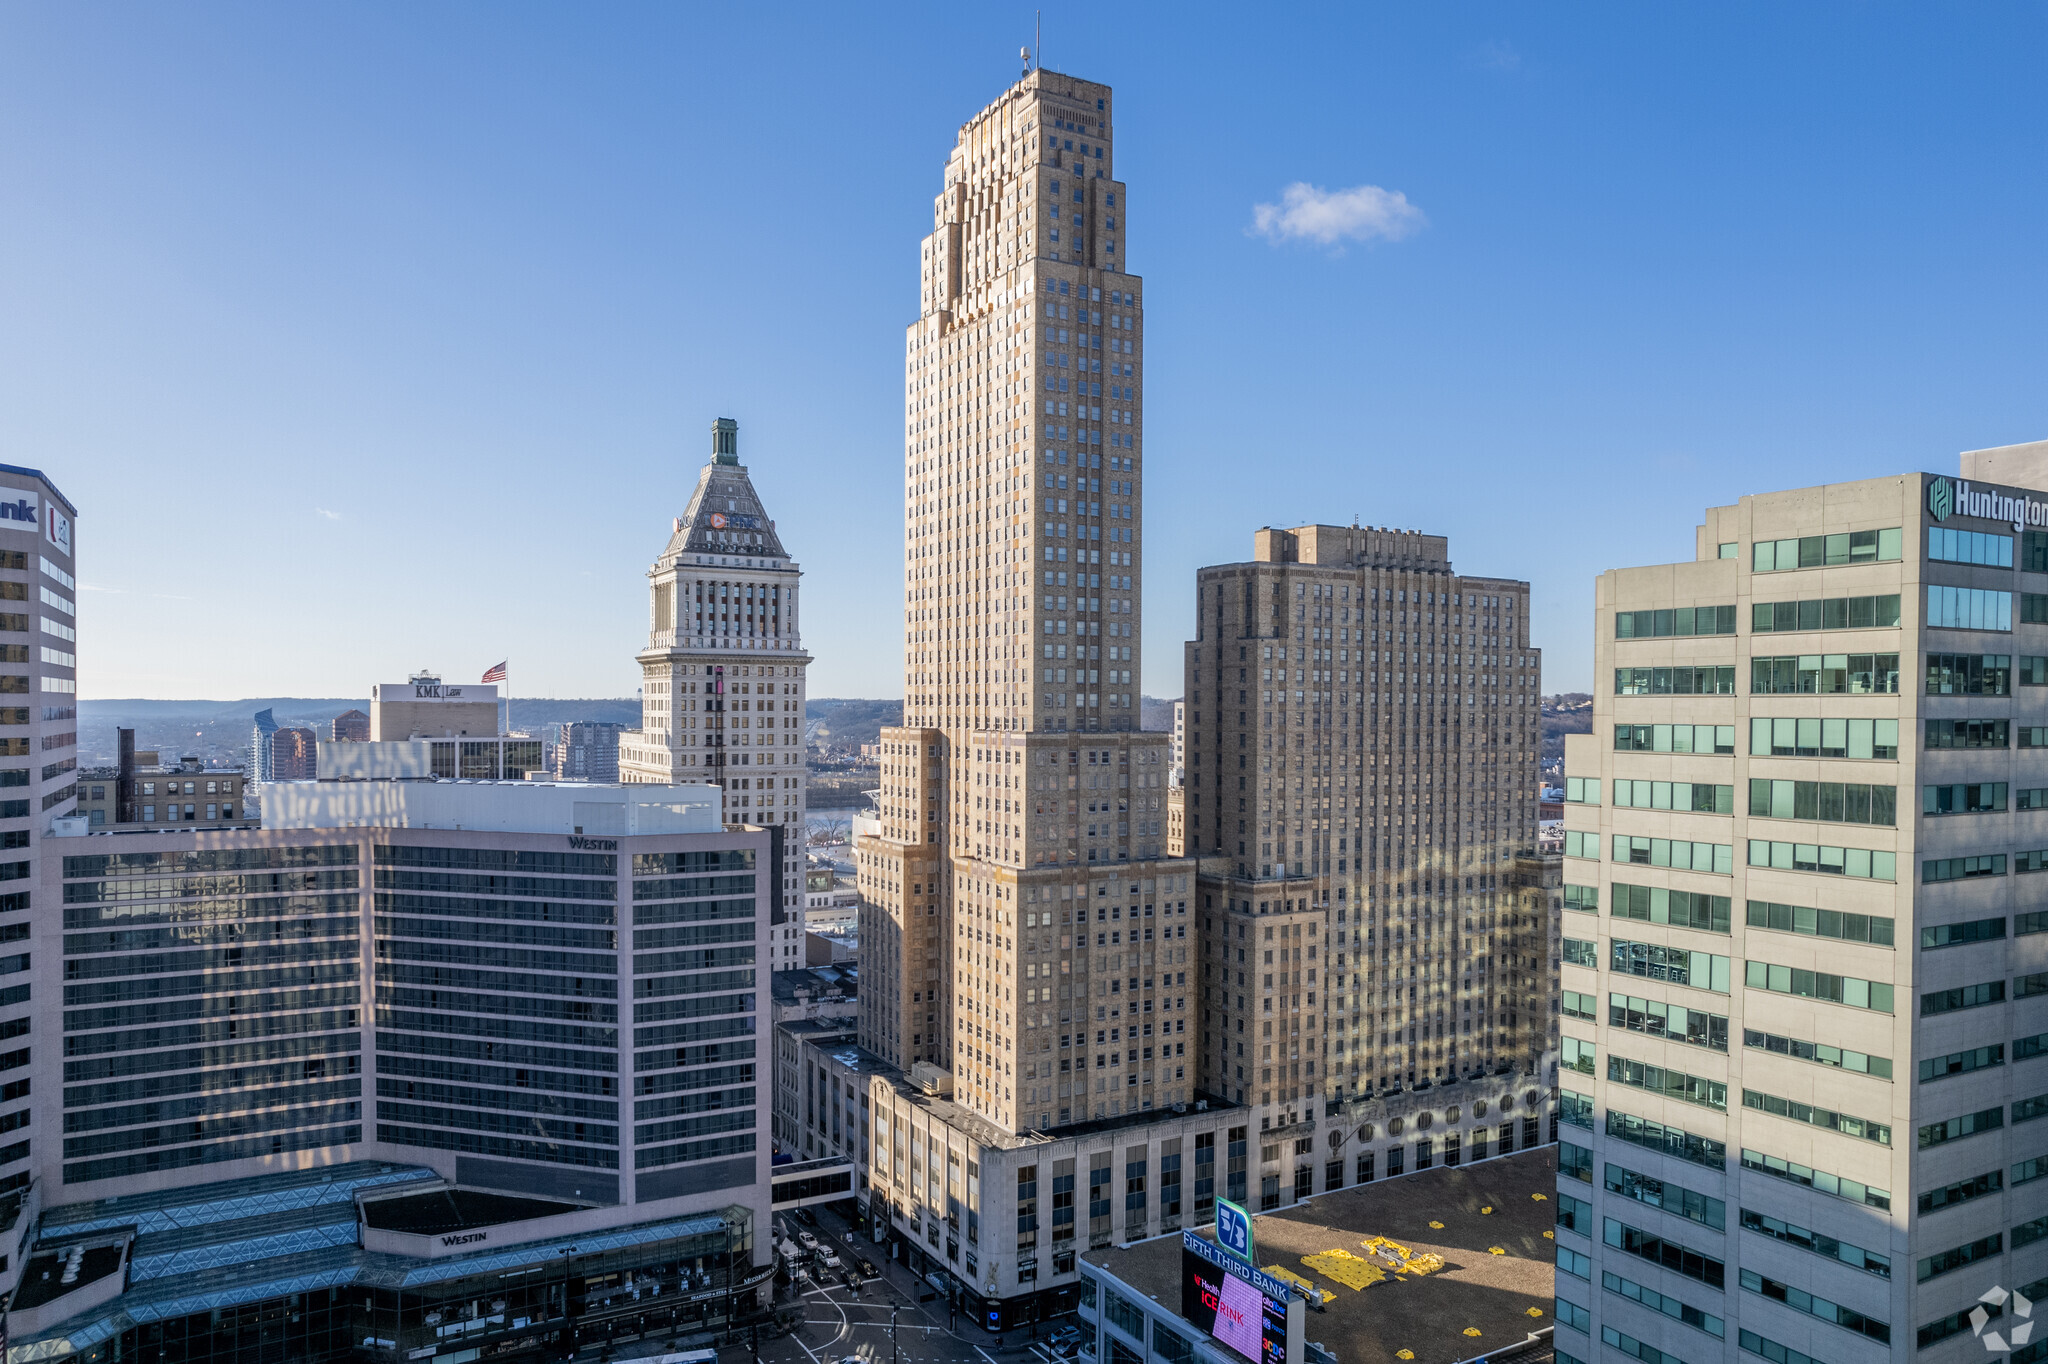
1948 497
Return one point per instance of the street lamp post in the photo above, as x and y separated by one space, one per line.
568 1326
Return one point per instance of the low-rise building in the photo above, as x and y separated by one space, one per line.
1448 1263
140 792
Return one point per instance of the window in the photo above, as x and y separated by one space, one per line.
1661 1193
1962 934
1967 1125
1673 1022
1653 961
1942 1263
1582 899
1823 551
1819 923
1827 1118
1969 675
1672 1084
1824 613
1657 1302
1717 858
1968 734
1682 908
1976 798
1827 1247
1801 1301
1875 995
1683 620
1968 547
1697 797
1686 681
1962 1191
1961 1062
1968 608
1674 739
1938 869
1860 863
1671 1255
1819 1053
1962 997
1580 952
1582 790
1579 843
1820 1181
1824 675
1825 801
1823 738
1672 1141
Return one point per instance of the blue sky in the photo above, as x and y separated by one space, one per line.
378 337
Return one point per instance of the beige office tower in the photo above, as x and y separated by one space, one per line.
1805 983
722 676
1026 943
1362 736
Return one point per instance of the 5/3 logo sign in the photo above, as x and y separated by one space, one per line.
1234 1229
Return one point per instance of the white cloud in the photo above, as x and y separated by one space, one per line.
1496 55
330 515
1364 213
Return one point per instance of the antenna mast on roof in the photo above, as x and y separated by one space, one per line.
1038 37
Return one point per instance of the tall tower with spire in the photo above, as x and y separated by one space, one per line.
723 674
1018 912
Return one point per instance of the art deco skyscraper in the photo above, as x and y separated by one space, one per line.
723 674
1019 800
1362 747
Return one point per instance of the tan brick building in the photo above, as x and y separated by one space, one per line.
1362 731
723 675
1026 941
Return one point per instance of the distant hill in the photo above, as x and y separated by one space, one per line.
220 729
1565 713
1155 714
846 723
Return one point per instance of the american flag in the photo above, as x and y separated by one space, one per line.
495 673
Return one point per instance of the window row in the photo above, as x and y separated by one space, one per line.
1678 621
1827 551
1824 613
1830 802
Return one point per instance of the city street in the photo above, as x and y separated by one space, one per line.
838 1325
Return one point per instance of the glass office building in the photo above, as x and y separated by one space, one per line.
532 1004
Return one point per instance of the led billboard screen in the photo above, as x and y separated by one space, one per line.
1232 1310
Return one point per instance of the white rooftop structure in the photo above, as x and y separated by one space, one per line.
495 807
